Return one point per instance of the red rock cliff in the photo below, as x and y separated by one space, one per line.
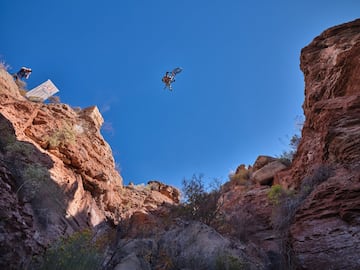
326 230
330 135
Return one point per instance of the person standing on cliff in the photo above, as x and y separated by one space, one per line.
24 72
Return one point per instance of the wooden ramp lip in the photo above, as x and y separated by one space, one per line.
42 91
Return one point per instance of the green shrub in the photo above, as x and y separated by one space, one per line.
18 148
6 138
275 193
33 176
75 252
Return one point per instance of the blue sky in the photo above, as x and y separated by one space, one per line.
239 95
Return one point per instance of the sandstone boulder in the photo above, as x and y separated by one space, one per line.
265 174
169 191
93 114
261 161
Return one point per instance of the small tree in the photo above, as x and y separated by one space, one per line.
287 156
200 204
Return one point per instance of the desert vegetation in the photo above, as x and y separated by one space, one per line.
31 176
287 156
64 135
4 65
241 177
78 251
225 261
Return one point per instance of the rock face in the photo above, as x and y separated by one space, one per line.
332 102
166 190
325 232
58 173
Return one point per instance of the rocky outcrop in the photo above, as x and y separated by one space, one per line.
248 216
265 175
185 245
325 231
168 191
149 197
73 141
8 85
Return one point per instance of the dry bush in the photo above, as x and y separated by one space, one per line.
200 204
65 135
77 109
54 99
287 156
241 178
35 99
4 65
319 175
22 92
21 85
30 175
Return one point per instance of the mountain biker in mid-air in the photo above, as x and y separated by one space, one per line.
169 77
